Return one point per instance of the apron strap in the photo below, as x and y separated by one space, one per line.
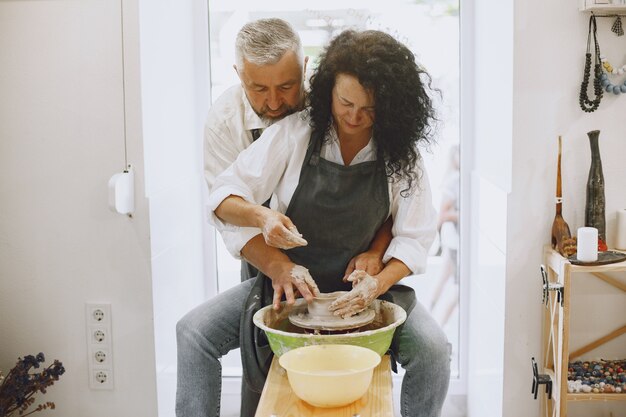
256 354
315 146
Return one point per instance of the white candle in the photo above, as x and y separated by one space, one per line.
587 245
620 237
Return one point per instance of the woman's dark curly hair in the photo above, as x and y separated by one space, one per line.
403 109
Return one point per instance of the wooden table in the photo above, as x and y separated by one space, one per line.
278 400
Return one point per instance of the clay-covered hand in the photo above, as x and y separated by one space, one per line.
364 291
369 262
279 231
298 277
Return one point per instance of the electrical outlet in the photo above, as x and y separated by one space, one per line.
99 335
99 346
98 313
101 379
101 356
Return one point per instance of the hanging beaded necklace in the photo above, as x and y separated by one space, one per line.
608 86
610 69
587 104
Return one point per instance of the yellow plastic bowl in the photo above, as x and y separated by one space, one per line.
330 375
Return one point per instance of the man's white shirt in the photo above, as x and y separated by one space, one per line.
227 131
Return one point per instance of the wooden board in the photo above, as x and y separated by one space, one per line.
279 400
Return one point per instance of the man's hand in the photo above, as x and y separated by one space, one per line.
364 291
369 262
279 231
298 277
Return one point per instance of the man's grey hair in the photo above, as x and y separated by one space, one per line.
265 42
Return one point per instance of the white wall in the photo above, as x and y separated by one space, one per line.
547 47
545 106
61 139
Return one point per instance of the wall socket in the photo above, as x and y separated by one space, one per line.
99 346
100 378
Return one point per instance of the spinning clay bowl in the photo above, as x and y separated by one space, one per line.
330 375
283 336
319 317
319 306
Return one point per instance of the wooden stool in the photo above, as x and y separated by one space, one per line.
278 400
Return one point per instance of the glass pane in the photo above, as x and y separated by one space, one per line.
431 29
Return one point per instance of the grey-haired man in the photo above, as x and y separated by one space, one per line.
271 65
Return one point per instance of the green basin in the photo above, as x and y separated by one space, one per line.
283 336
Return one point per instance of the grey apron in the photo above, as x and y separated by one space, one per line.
338 209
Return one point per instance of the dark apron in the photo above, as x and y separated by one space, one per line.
338 209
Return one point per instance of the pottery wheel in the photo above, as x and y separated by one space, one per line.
306 321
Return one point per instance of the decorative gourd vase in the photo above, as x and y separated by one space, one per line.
595 203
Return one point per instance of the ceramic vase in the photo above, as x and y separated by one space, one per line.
595 202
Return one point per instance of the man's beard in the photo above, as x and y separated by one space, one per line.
269 120
286 111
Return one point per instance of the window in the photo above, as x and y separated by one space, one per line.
431 29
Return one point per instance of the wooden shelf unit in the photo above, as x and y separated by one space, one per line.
590 6
556 332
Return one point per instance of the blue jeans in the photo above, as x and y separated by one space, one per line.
211 330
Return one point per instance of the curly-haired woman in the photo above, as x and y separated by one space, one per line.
336 172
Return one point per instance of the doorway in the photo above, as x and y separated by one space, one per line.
430 28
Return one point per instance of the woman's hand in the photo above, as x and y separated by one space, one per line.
369 262
372 260
365 288
297 276
279 231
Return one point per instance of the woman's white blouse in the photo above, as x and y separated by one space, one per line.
270 167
